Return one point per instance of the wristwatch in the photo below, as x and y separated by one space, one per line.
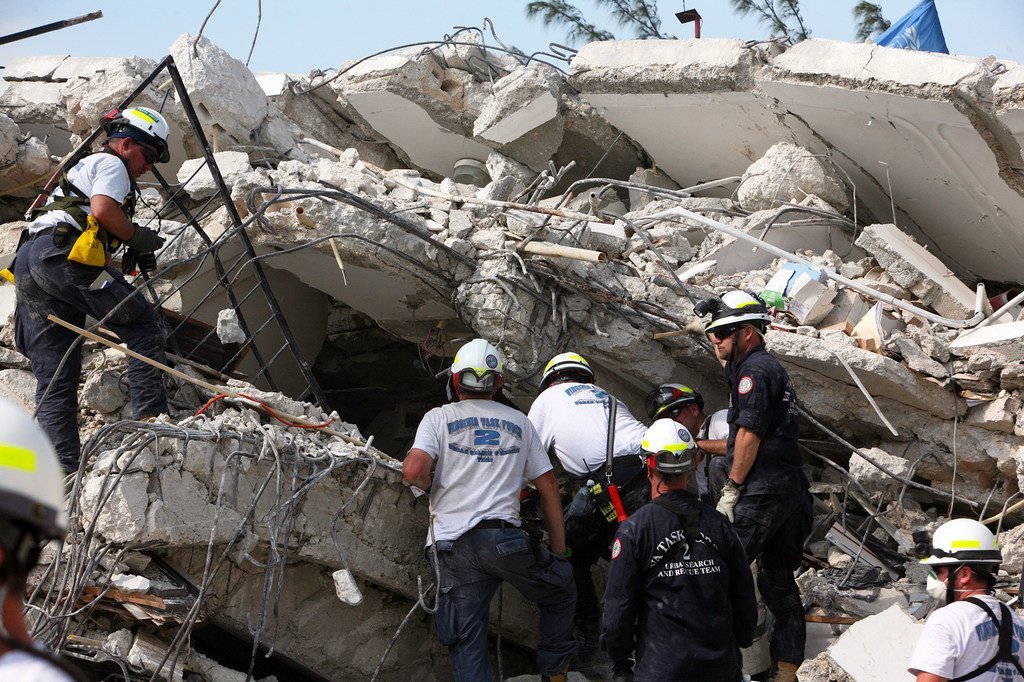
733 484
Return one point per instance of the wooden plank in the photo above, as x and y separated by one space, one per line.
129 597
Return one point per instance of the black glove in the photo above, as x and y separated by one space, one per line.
146 262
145 240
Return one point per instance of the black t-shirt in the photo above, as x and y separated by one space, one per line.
762 399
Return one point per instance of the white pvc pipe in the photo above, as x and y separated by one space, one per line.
559 251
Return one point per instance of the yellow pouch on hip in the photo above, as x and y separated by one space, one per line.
89 248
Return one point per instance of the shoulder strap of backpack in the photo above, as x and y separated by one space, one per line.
1004 652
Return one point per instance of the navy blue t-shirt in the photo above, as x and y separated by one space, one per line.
762 399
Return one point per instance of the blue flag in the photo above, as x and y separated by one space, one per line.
919 29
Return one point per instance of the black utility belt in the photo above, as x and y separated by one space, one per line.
494 523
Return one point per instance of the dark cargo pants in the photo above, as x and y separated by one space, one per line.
48 283
470 570
772 528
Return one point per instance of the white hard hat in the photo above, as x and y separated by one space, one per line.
143 124
31 477
668 448
963 541
733 309
478 367
565 362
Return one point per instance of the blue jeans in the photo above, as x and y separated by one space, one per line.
470 570
48 283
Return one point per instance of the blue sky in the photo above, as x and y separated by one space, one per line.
299 35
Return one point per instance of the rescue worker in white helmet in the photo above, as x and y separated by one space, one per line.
766 493
63 267
572 415
679 597
686 406
481 452
973 636
31 513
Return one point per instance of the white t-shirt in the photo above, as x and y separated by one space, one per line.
715 427
574 418
483 452
95 174
960 637
18 666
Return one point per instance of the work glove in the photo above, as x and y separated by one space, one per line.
146 262
145 240
730 496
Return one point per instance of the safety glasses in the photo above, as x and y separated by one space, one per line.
148 153
722 333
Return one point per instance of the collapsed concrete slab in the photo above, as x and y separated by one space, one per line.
370 233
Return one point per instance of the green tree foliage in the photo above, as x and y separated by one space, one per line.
561 13
640 16
782 17
870 22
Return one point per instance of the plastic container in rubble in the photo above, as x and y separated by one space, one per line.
800 290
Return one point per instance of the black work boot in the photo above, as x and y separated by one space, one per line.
590 659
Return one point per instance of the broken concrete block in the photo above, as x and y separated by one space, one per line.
822 668
230 102
229 330
788 173
130 583
19 386
195 175
522 115
916 269
866 657
34 68
1006 340
995 415
103 392
346 588
874 479
122 516
1012 377
848 307
9 132
916 358
648 176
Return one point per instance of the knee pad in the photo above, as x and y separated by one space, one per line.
778 589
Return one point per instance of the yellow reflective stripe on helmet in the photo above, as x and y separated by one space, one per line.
744 305
141 113
14 457
672 447
566 357
966 544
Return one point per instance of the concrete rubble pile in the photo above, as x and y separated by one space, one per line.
547 211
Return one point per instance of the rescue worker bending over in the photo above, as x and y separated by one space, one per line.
482 452
571 415
31 513
766 494
686 406
64 269
974 635
679 585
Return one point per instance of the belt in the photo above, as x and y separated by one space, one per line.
495 523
